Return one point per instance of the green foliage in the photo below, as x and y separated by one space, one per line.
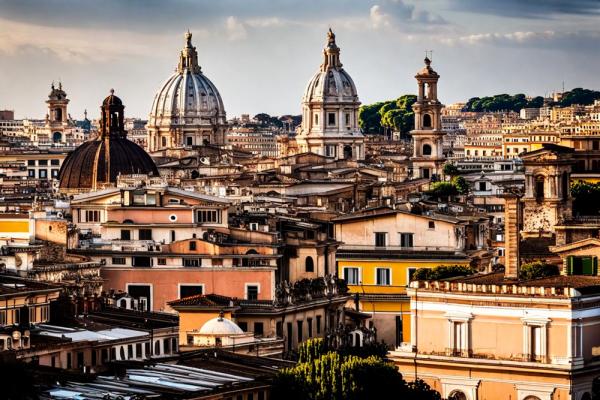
442 272
461 184
395 114
313 349
586 198
537 269
450 169
266 119
335 377
502 102
443 189
579 96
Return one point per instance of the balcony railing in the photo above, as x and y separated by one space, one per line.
412 249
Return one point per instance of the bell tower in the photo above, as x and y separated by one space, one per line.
57 118
428 159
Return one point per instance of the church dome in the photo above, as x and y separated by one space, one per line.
220 327
57 93
188 95
331 83
100 161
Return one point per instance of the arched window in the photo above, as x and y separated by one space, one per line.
539 187
56 137
347 152
426 150
426 121
157 348
309 264
457 395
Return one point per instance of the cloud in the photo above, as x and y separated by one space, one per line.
398 15
235 29
528 8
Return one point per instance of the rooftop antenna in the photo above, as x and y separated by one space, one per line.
563 86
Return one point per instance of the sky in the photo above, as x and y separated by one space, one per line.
260 54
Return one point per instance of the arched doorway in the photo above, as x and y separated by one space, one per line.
56 137
426 150
531 398
426 121
347 152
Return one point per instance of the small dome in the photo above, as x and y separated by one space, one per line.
57 93
112 100
220 327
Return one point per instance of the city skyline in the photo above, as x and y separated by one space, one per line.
260 55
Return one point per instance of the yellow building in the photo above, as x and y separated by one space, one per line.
382 248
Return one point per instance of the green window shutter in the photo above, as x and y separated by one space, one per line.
588 265
595 271
570 265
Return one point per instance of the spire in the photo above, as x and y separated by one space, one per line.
331 53
188 58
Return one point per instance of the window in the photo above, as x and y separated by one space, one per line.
141 261
54 162
145 234
43 163
92 216
316 119
192 262
118 260
318 324
431 225
399 333
31 163
258 328
210 216
2 318
172 236
161 261
54 173
426 150
406 240
251 292
539 187
167 345
309 264
427 121
192 245
142 293
299 323
348 119
190 290
351 275
138 350
459 339
129 351
330 150
483 186
189 140
383 276
163 141
31 173
309 323
243 326
380 239
125 234
331 119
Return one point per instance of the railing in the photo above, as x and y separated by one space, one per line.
356 247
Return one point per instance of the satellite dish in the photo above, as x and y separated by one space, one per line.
16 335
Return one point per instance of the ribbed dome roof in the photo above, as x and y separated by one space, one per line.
100 161
89 165
331 82
220 326
188 94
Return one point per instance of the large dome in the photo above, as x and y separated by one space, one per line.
187 101
331 83
100 161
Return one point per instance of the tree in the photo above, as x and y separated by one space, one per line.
443 189
579 96
392 114
369 118
450 170
461 184
586 198
442 272
537 269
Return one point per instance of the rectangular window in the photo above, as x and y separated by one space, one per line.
410 272
31 173
331 119
252 292
351 275
406 240
190 290
299 323
141 261
483 186
258 328
316 119
208 216
161 261
138 350
92 216
399 333
43 163
145 234
380 239
192 245
142 293
192 262
125 234
458 339
54 162
318 324
31 163
535 351
118 260
431 225
347 119
54 173
33 314
383 276
309 323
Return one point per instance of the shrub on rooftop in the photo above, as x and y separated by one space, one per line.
537 269
442 272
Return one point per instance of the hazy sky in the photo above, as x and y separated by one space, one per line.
261 53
